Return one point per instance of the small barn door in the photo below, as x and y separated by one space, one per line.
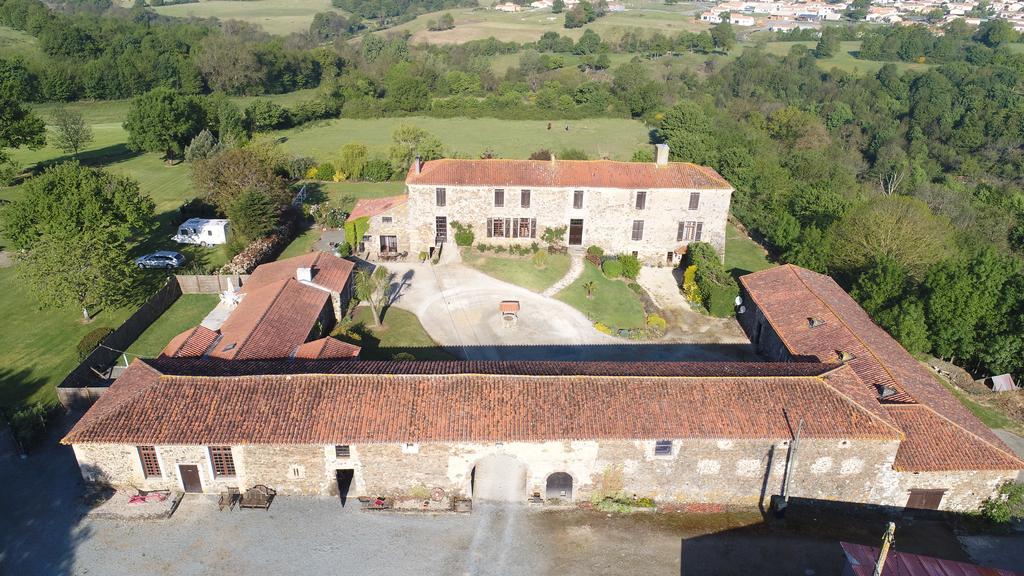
190 478
925 499
575 232
559 486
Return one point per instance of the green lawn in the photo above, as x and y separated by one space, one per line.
845 59
617 138
274 16
613 304
401 331
19 44
186 312
743 255
37 347
518 270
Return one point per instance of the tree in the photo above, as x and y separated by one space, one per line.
686 128
408 141
896 227
828 44
880 286
253 215
162 120
632 85
19 126
590 287
723 36
557 6
262 115
74 228
407 91
905 321
203 146
375 289
229 64
353 158
225 176
72 133
996 32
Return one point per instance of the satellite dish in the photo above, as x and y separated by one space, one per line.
739 300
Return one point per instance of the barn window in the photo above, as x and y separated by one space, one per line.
663 448
441 194
638 229
577 199
150 463
386 219
342 451
499 198
222 461
524 199
641 200
694 200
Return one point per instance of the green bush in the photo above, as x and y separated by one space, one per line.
595 251
377 170
481 247
325 172
657 323
463 234
718 289
612 268
90 341
540 259
1006 506
630 266
29 423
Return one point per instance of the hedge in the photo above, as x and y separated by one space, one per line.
718 289
91 340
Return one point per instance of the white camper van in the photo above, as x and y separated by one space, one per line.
202 231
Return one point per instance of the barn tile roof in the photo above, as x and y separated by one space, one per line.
270 321
367 207
791 297
193 342
326 348
329 271
566 174
376 404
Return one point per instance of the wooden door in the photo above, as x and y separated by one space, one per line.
190 477
440 229
575 232
925 499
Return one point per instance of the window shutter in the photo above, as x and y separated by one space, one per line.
679 234
700 227
441 197
515 227
525 199
641 200
694 200
533 227
490 227
508 224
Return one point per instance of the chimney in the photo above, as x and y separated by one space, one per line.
419 163
661 154
552 158
304 274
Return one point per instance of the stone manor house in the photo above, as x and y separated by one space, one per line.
650 209
839 403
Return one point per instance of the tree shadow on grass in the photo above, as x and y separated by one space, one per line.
96 158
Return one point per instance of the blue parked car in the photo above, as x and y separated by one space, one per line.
161 259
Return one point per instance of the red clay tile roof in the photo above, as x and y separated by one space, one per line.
329 271
374 206
789 296
566 174
271 321
191 343
862 562
933 442
149 408
327 348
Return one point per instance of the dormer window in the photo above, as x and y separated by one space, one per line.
885 392
813 322
844 356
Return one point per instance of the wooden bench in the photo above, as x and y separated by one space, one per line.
258 496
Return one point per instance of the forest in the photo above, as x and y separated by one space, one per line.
905 184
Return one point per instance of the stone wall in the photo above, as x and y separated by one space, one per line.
398 227
607 214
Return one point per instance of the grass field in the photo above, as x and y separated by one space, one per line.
19 44
845 59
187 312
743 255
400 331
518 270
616 138
613 304
274 16
528 26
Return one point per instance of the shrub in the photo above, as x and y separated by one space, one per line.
423 255
403 356
90 341
595 251
644 502
339 176
1006 506
540 259
463 234
655 322
572 154
718 290
483 247
630 266
553 235
636 288
301 167
690 289
29 423
325 172
600 327
499 249
542 154
377 170
612 268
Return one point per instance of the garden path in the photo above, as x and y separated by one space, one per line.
575 269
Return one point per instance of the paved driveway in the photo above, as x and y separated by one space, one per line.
458 307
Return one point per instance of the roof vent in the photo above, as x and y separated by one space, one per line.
886 392
304 274
228 347
813 322
844 356
419 164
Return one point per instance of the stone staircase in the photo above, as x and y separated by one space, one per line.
576 259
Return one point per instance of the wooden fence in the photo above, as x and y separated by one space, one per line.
209 284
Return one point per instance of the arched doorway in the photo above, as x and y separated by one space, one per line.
498 478
559 486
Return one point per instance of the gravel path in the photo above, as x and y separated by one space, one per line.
575 269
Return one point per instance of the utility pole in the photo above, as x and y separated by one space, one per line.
883 553
790 458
